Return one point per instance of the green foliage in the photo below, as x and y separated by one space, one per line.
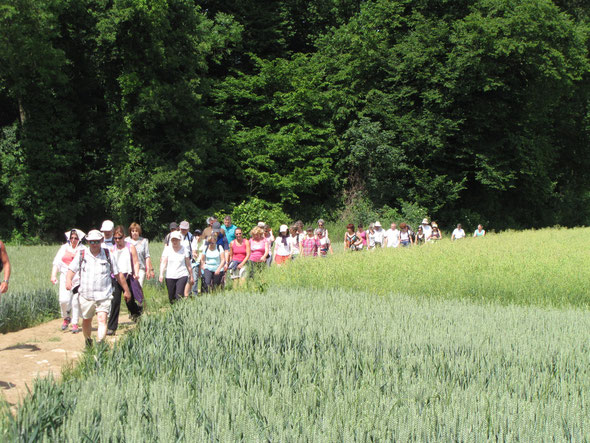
19 310
247 214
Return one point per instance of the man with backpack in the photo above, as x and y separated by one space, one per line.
4 265
96 268
188 242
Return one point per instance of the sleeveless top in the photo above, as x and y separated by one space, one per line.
257 249
123 258
239 251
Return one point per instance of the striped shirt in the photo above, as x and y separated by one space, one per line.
95 274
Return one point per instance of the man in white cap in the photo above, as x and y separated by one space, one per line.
391 237
379 234
107 232
95 267
426 229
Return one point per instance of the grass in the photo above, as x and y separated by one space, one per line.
326 366
476 340
536 268
20 310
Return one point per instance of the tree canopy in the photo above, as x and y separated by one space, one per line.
472 111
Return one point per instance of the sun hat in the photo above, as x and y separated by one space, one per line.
377 224
176 234
425 221
216 227
185 225
107 225
284 228
80 233
94 235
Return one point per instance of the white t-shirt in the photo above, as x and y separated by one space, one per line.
427 230
294 243
176 267
392 236
281 249
123 259
378 235
458 233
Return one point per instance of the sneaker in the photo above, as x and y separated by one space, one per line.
110 332
65 324
75 329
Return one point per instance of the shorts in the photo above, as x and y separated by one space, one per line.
280 259
89 307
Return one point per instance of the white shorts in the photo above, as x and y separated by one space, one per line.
89 307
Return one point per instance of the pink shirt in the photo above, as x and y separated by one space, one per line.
257 249
239 251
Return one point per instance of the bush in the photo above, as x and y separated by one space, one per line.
248 213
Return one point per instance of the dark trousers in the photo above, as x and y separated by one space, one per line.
210 280
176 288
132 306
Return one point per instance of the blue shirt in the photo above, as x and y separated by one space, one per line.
230 232
222 241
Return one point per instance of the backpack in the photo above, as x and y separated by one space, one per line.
106 252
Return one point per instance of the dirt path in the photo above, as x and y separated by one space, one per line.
39 351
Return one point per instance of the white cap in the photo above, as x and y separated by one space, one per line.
176 234
377 224
107 225
184 225
94 235
284 228
261 224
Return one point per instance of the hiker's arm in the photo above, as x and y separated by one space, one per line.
123 282
69 278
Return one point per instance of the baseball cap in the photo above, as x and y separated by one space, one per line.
173 225
216 227
107 225
94 235
176 235
284 228
184 225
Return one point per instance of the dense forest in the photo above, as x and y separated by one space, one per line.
472 111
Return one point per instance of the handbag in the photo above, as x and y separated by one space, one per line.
134 286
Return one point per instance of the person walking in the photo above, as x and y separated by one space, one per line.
68 300
282 251
239 254
173 227
125 256
405 236
146 268
259 250
391 237
209 229
229 228
95 266
212 264
479 232
426 228
107 232
351 240
324 243
322 226
436 234
362 234
309 244
458 233
420 237
176 266
295 241
187 242
270 239
4 267
378 235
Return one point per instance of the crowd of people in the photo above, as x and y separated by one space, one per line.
113 265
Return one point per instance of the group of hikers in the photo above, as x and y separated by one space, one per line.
114 265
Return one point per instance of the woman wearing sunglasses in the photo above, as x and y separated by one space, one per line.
68 300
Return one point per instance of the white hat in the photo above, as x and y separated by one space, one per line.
176 234
261 224
80 233
94 235
184 225
284 228
107 225
377 224
425 221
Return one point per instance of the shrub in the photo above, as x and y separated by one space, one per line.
248 213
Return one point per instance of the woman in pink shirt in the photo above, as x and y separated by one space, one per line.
258 249
239 254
